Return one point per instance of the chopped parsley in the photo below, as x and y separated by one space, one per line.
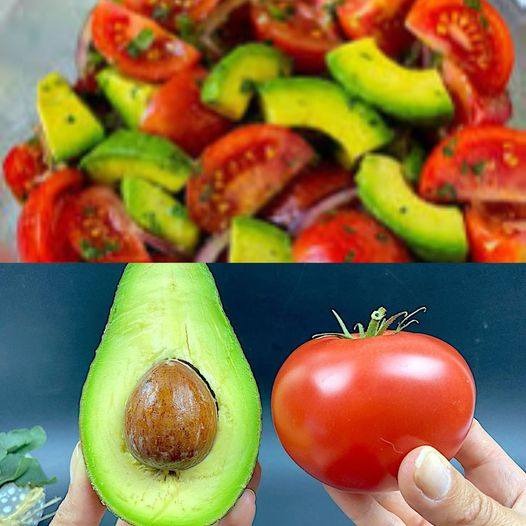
90 252
447 191
141 43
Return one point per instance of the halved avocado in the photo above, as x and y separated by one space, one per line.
129 153
129 97
255 241
159 213
322 105
171 313
417 96
231 83
69 127
434 233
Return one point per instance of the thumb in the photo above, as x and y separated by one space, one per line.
440 494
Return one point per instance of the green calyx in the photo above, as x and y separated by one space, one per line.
378 325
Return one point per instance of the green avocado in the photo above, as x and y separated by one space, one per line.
231 84
255 241
434 233
159 213
417 96
129 97
322 105
169 313
68 125
129 153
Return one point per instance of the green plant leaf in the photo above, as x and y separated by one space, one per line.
34 476
13 467
3 453
23 440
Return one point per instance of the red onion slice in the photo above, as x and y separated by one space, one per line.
213 248
83 47
159 244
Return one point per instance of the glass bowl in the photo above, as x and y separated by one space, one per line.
37 37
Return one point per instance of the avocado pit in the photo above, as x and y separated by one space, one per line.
171 418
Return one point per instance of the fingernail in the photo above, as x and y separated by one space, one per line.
76 464
432 474
250 494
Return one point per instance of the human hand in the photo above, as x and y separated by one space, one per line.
82 507
432 492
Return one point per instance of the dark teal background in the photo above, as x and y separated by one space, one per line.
51 319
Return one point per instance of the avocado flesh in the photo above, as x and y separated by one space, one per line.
434 233
165 312
231 84
68 125
255 241
417 96
130 98
129 153
322 105
159 213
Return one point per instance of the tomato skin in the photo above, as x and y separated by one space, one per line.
483 47
22 167
348 236
349 411
176 112
114 28
484 163
382 20
306 35
39 236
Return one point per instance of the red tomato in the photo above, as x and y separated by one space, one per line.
138 46
348 236
305 191
176 112
472 34
99 229
497 233
23 166
243 171
377 18
485 163
472 108
39 236
304 30
349 409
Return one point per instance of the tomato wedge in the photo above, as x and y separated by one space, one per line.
497 233
243 171
385 21
39 237
486 163
99 230
348 236
23 166
176 112
471 33
137 45
304 30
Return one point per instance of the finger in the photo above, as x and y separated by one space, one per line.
243 513
489 467
440 494
395 503
81 507
364 510
255 481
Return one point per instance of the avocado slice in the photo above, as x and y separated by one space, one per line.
159 213
130 153
231 84
69 127
255 241
417 96
434 233
169 312
130 98
322 105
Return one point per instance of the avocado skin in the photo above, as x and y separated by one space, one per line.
169 311
256 241
130 153
231 83
159 213
307 102
68 125
416 96
434 233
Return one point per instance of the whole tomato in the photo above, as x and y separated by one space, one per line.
349 407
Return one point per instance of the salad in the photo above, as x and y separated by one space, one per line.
277 131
